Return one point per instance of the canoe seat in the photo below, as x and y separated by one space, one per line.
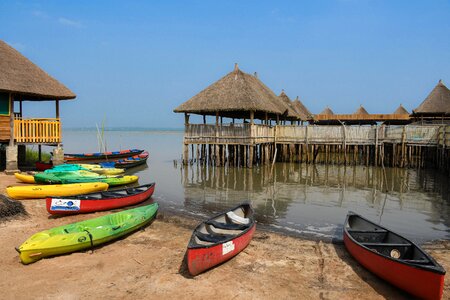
366 231
227 226
212 238
112 194
393 250
368 236
386 244
416 261
237 219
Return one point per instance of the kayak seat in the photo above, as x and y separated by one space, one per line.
227 226
212 238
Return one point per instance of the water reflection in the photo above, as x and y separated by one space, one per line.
306 200
314 199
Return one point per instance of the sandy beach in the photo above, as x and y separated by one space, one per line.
149 263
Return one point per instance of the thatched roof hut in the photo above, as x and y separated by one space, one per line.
20 76
436 104
301 109
361 111
327 111
292 113
235 95
401 111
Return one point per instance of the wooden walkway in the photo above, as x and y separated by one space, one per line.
249 144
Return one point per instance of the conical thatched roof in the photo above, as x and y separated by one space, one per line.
235 92
437 102
19 75
401 111
361 111
301 109
287 103
327 111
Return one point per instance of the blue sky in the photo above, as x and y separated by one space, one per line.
131 62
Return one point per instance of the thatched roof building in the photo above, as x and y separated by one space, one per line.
235 95
437 104
292 113
361 111
327 111
301 109
401 111
20 76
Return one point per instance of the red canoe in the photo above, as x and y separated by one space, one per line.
393 258
99 201
220 238
42 166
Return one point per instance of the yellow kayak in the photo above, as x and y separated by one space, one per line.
43 191
24 177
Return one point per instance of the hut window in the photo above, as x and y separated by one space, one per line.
4 104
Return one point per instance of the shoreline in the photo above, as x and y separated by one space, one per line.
149 262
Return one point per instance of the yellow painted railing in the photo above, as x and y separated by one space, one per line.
37 130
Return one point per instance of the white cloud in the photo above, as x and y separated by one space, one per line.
71 23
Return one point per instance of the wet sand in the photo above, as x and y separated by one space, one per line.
149 263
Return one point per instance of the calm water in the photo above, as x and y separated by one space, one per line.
305 200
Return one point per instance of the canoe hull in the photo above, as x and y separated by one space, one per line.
102 155
67 242
202 259
418 282
43 191
61 206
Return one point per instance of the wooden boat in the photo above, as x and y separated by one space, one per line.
43 191
86 234
393 258
129 162
220 238
102 155
99 201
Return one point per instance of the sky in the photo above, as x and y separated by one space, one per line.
130 63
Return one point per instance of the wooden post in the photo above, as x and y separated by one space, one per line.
56 107
11 120
376 145
344 142
251 148
204 119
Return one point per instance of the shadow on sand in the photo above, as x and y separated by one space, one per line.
384 288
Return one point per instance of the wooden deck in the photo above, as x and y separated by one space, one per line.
248 144
252 134
361 117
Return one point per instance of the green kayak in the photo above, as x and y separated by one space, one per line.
82 176
86 234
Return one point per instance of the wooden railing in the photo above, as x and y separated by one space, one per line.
246 134
40 131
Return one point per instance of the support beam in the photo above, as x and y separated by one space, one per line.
57 108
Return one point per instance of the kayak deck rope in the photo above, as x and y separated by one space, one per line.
90 238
